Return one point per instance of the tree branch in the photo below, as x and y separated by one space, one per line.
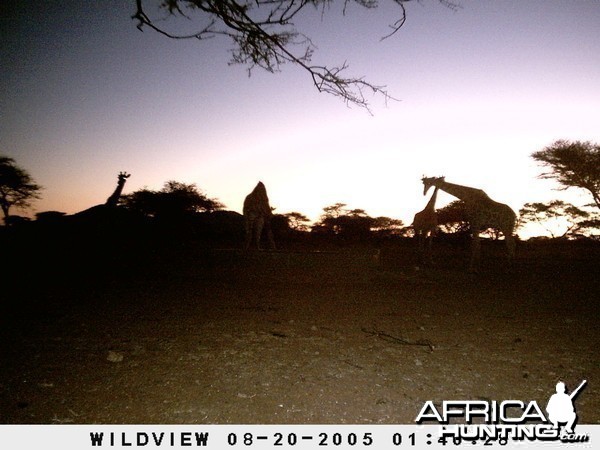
264 34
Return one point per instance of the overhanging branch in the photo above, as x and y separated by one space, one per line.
264 35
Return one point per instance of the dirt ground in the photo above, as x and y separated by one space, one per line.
220 337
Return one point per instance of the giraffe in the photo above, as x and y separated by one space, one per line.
482 212
106 220
425 225
114 198
257 215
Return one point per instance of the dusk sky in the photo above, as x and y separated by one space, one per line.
85 95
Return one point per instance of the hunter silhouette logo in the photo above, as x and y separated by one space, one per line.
560 406
501 421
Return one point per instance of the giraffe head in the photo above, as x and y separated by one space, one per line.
123 176
260 189
431 181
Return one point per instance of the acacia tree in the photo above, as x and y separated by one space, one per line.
558 216
354 224
264 35
386 226
17 187
174 200
297 221
573 164
452 218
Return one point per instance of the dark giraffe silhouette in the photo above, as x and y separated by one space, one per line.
113 200
482 212
107 208
257 216
425 225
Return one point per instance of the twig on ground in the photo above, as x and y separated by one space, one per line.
397 340
351 364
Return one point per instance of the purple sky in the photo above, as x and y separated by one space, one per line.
85 95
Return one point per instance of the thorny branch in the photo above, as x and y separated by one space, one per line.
265 36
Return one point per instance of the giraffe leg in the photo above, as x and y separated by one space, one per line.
429 250
248 231
475 251
258 227
419 238
510 246
420 246
269 232
510 250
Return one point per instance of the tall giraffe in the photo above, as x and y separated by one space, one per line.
114 198
425 225
482 212
105 220
257 216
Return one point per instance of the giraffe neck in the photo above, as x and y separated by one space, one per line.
464 193
114 198
431 203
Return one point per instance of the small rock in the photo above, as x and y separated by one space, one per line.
114 357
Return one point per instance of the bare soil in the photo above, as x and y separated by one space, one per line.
220 337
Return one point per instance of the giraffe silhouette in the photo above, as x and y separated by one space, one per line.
116 195
425 225
257 216
106 222
111 203
482 212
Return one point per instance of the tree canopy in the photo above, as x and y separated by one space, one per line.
452 218
573 164
17 187
558 218
354 224
297 221
174 200
265 35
